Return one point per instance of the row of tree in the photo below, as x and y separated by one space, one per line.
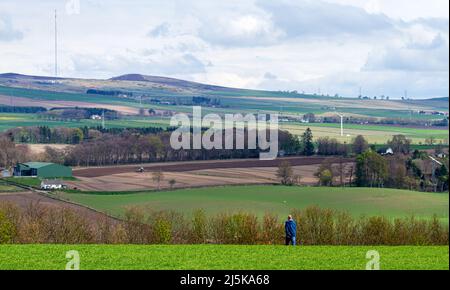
21 110
46 135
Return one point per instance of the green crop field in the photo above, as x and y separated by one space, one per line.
374 134
215 257
9 121
275 199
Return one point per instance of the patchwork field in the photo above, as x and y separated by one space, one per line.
274 199
133 181
214 257
374 134
10 121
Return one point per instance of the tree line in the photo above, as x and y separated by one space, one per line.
45 135
403 170
21 110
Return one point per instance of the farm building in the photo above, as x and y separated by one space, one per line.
42 170
5 173
52 185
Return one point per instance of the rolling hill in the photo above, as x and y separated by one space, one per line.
174 94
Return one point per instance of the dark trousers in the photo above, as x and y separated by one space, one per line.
290 241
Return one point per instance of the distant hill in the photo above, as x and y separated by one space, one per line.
446 99
20 76
169 82
174 93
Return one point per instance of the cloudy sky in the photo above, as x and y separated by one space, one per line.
331 46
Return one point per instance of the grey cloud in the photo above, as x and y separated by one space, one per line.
160 31
270 76
174 65
7 30
412 57
320 19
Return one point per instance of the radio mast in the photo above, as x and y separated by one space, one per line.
56 43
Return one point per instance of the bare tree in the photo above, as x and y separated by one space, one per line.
158 177
285 173
172 183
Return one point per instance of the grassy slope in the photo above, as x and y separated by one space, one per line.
277 199
101 257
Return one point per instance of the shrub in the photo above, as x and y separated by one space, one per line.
241 229
162 231
199 227
7 231
137 231
272 230
315 226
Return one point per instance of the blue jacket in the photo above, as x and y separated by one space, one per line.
291 229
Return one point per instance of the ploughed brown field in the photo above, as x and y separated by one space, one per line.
197 174
205 165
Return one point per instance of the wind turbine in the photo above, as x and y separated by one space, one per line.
342 123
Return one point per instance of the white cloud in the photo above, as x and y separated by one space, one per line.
239 30
384 46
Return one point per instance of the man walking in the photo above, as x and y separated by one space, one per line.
291 231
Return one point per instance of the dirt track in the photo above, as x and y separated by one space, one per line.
204 165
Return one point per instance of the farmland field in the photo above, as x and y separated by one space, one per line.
9 121
4 188
275 199
373 133
214 257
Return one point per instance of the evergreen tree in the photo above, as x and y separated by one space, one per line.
307 143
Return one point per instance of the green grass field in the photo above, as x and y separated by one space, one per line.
10 121
26 181
7 188
275 199
214 257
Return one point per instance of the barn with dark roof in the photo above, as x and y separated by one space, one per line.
42 170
